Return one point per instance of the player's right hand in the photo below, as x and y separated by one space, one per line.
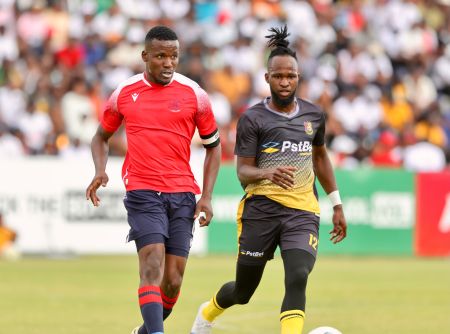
91 191
282 176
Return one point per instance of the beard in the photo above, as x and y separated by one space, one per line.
282 101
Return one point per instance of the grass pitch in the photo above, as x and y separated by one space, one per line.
97 295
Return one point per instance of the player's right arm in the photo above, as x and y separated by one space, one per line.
248 173
247 138
99 148
111 120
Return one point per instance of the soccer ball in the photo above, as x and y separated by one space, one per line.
325 330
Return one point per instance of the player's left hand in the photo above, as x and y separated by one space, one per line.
339 231
203 206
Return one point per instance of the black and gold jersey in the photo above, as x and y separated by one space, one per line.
276 139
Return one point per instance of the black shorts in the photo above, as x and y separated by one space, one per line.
264 224
156 217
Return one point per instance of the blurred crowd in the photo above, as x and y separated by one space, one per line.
380 69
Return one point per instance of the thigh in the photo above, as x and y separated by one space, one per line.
181 209
147 216
300 231
258 230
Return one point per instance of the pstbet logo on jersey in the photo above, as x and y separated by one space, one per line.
301 147
251 254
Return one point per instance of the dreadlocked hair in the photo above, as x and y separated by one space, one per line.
278 43
161 33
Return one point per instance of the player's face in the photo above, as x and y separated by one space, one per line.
283 78
161 60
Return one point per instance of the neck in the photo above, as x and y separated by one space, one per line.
291 107
153 82
147 77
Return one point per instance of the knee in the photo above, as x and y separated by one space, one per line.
230 294
150 268
297 277
150 274
172 285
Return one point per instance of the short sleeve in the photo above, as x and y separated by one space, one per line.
319 138
112 118
246 138
205 121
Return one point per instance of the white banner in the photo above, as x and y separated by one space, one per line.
43 199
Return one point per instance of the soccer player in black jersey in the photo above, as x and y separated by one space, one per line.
280 150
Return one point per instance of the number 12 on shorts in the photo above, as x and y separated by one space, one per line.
313 241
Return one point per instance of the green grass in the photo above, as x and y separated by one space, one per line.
97 295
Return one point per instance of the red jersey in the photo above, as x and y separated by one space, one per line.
160 122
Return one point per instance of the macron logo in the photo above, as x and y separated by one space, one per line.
134 96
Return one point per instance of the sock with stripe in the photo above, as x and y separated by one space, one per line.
168 304
292 321
151 305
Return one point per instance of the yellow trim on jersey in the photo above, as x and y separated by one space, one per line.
303 201
307 202
239 217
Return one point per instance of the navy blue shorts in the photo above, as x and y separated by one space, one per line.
156 217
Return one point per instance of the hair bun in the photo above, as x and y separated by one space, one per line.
278 38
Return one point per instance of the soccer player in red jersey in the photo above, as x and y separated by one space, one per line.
161 110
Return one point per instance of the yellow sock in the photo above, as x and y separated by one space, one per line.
212 310
292 321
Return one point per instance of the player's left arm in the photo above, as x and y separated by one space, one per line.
209 134
324 171
210 170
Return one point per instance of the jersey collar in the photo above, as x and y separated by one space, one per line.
152 84
292 114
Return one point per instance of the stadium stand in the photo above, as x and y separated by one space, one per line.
380 69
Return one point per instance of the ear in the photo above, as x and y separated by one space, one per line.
144 56
266 76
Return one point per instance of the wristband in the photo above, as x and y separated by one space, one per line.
335 198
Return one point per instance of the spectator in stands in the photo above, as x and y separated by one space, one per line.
418 155
9 49
12 100
420 90
36 126
10 144
356 112
33 27
397 112
385 152
8 237
78 112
